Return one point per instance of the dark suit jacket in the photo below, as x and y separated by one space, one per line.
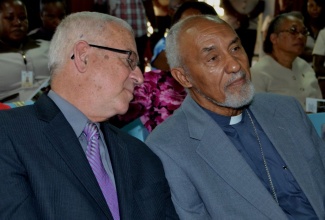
44 173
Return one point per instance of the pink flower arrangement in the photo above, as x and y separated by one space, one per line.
155 100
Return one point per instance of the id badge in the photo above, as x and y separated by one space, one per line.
27 79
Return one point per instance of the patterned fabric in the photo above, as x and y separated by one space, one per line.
155 100
93 156
133 12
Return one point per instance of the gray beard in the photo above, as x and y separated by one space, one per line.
234 100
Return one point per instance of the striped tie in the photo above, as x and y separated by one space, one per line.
93 156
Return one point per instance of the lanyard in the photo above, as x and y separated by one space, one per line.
23 54
24 57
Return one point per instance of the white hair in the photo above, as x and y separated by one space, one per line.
87 26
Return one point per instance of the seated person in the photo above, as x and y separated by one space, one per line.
20 56
227 153
314 19
60 158
281 71
52 12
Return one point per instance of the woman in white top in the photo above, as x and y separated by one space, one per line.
281 71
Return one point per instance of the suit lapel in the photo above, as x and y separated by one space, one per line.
122 172
62 137
225 159
227 162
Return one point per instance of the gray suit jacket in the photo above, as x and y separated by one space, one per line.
209 178
44 173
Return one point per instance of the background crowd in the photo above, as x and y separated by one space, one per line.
221 94
24 54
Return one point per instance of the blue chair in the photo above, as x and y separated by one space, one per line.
318 120
136 129
19 103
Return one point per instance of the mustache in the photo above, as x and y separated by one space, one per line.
231 101
236 76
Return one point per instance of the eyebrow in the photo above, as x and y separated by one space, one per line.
213 47
235 40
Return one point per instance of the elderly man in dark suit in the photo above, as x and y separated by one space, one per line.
60 158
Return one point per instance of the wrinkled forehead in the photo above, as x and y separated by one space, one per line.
202 32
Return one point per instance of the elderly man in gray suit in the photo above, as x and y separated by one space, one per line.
227 153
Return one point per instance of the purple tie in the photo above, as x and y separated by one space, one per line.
93 156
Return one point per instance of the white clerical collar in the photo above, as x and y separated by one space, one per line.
235 119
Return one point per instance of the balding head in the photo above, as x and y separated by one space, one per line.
177 32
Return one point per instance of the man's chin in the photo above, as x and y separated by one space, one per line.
240 99
123 109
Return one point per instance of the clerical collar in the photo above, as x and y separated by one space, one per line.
224 120
236 119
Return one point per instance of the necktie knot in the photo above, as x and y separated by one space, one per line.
91 132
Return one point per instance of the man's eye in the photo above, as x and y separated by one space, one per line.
214 58
235 49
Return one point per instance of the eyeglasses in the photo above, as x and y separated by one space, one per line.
132 58
294 31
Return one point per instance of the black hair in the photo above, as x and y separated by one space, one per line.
42 2
320 22
4 1
274 28
203 7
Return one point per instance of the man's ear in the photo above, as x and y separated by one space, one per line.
80 55
181 77
273 38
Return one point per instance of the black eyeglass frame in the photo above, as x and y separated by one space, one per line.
294 31
133 64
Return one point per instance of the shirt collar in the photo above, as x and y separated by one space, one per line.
74 116
224 120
